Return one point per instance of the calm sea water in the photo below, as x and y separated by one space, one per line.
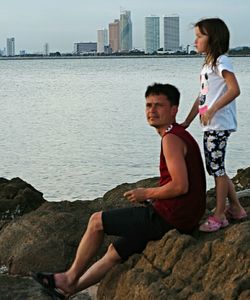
76 128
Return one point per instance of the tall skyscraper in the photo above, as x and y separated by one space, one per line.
46 49
102 40
125 31
152 34
114 36
10 47
171 27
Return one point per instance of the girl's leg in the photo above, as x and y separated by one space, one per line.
222 189
214 143
234 202
225 188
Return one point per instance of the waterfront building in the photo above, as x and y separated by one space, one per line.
171 29
125 31
85 48
152 34
102 40
22 52
114 36
10 46
46 49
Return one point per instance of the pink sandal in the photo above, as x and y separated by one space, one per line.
213 224
235 216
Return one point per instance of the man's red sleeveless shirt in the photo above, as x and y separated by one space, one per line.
184 212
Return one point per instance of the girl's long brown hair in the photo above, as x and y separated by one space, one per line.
218 38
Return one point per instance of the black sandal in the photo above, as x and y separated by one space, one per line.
47 281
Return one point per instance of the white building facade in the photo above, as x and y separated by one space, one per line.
85 48
152 34
171 30
46 49
10 49
102 40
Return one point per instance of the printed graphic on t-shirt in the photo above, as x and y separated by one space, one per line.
203 94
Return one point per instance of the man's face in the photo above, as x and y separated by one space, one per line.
159 111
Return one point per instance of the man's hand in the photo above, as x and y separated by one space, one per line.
136 195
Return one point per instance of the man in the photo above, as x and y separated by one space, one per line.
179 202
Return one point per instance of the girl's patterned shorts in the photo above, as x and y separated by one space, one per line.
215 142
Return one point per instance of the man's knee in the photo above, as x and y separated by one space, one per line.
95 221
112 254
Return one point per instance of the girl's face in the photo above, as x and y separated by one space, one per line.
201 41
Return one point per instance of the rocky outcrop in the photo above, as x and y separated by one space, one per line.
17 198
43 236
198 267
24 288
242 179
47 238
215 266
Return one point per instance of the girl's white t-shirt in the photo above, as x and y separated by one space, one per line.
213 86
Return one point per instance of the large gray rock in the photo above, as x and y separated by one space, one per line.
17 198
203 266
44 237
20 288
242 179
179 267
24 288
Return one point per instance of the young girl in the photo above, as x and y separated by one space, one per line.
216 107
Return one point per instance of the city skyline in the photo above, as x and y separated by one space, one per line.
61 24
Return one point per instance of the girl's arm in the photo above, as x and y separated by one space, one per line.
232 92
192 114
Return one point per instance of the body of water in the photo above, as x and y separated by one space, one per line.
74 129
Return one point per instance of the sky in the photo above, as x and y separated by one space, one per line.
61 23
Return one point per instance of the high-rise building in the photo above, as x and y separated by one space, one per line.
171 27
46 49
10 47
125 31
102 40
152 34
114 36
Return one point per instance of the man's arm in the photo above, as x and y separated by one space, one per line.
174 150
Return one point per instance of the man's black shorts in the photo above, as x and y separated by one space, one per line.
135 226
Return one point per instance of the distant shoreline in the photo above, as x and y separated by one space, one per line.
105 57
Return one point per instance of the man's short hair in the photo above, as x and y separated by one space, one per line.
168 90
